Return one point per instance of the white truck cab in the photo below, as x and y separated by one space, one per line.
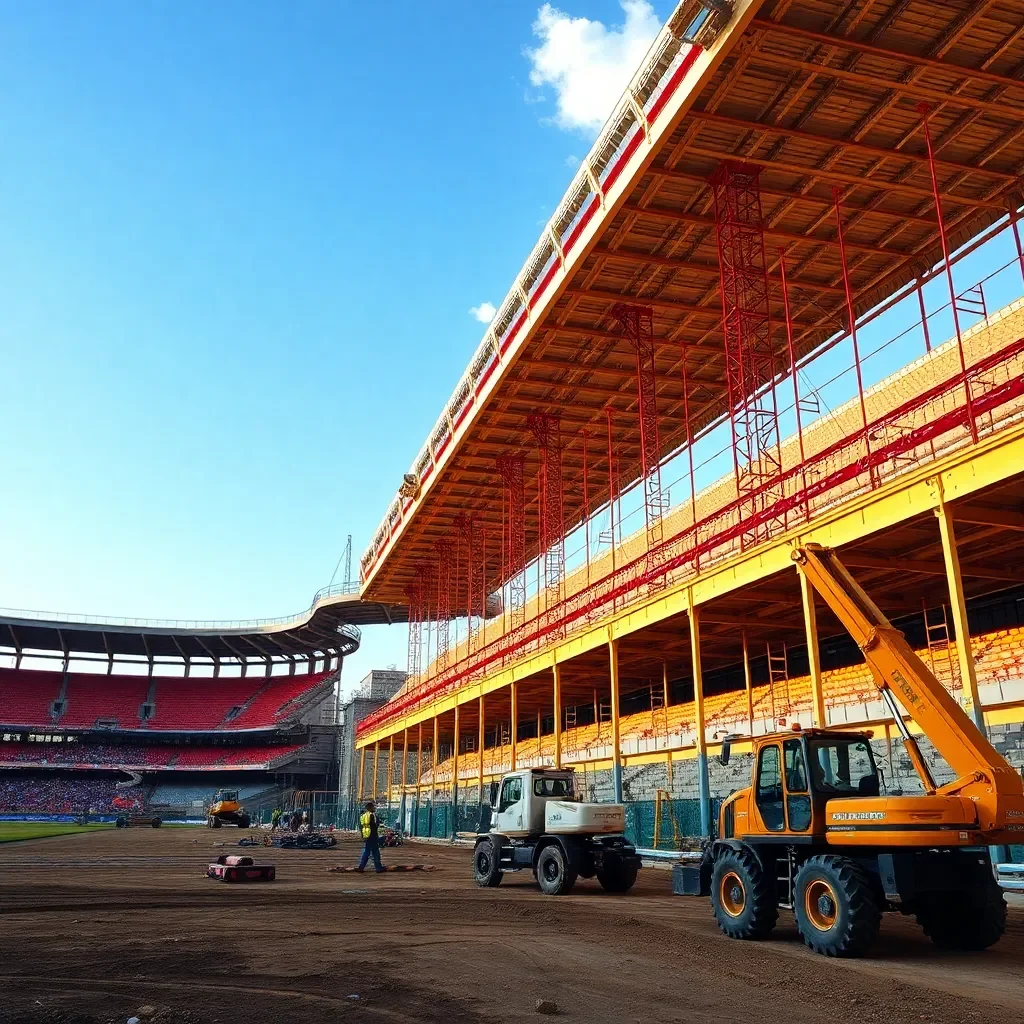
539 822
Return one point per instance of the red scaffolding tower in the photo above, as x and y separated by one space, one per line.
749 358
511 469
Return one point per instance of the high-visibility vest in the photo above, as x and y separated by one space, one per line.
364 824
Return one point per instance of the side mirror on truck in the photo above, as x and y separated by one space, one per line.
723 757
493 794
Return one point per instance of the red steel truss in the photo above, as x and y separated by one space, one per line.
831 474
414 595
638 325
512 471
747 328
545 428
443 611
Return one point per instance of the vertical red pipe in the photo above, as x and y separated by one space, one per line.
924 109
586 503
1015 220
796 384
791 352
689 446
611 485
924 316
851 315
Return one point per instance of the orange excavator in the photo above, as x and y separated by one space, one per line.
814 833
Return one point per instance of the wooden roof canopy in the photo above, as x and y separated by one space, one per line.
822 95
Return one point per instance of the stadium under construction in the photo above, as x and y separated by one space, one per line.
779 304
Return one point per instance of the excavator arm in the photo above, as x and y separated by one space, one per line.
904 680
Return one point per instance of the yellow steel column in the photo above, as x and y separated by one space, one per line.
433 761
515 714
703 781
556 673
376 768
748 685
391 765
613 666
813 654
419 774
668 753
455 761
362 774
480 749
958 608
540 743
405 758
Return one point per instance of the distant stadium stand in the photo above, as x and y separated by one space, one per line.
32 699
145 758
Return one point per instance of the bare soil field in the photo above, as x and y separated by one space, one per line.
96 926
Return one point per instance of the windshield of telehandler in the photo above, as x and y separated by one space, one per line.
843 767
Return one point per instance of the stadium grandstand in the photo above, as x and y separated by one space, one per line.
780 303
104 716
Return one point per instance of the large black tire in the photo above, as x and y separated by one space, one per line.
243 821
486 872
617 876
121 823
216 822
742 896
155 823
971 920
835 906
555 874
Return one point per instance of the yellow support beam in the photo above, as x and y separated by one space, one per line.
813 653
433 764
958 608
748 685
376 768
362 775
556 674
515 722
455 757
613 671
405 759
700 726
480 749
391 765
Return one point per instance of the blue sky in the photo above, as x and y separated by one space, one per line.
241 247
239 243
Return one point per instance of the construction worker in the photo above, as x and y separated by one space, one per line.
368 830
275 818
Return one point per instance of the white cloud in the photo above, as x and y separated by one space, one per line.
484 312
588 64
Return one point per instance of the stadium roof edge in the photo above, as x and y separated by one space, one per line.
330 626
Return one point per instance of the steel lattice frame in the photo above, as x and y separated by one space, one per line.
546 429
414 664
638 325
747 328
444 606
512 470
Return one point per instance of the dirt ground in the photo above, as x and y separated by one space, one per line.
95 926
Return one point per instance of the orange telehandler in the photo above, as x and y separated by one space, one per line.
813 833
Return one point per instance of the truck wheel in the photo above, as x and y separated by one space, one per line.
216 822
836 909
155 823
555 875
742 897
617 877
243 821
486 872
970 920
